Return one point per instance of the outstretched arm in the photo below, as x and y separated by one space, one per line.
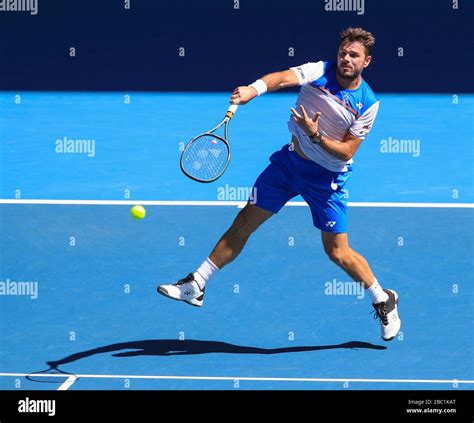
273 81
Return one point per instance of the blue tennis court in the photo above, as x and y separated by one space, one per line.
78 275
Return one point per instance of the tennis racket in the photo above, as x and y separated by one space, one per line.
206 157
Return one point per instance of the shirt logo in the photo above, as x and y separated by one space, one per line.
300 71
345 97
359 105
365 129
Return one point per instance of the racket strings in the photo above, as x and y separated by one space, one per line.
206 158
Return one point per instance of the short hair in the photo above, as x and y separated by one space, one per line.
360 35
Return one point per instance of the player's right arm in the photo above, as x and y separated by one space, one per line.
278 80
298 75
274 82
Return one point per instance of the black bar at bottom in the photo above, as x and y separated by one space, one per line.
151 405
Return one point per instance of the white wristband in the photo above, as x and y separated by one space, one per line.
259 86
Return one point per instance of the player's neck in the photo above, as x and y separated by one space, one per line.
349 84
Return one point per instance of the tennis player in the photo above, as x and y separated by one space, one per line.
335 111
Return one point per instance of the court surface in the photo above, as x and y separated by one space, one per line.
282 316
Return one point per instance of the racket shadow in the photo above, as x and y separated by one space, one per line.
50 375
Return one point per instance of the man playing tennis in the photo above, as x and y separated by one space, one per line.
335 111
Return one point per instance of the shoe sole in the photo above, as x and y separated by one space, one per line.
397 300
194 305
165 294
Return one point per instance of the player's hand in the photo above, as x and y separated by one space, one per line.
242 95
307 124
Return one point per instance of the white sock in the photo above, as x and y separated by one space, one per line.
376 292
204 273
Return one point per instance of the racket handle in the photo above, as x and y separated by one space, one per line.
231 110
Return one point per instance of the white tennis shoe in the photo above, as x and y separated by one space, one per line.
387 313
186 289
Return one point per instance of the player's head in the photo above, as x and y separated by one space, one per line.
354 52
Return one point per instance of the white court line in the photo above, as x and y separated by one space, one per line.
67 383
223 203
233 378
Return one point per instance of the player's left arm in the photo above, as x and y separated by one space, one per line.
344 149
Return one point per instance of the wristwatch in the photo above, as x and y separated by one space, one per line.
316 138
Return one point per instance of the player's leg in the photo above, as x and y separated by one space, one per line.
336 246
191 288
327 200
231 243
385 301
271 191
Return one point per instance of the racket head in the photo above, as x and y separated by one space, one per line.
205 158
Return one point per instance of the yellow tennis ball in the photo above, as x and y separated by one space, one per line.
138 212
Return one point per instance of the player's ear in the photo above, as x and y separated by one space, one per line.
367 61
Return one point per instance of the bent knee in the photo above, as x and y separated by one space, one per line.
338 255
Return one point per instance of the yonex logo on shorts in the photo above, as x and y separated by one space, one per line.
345 6
19 6
330 224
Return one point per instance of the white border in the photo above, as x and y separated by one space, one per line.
223 203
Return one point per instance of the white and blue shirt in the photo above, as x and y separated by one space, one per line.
341 110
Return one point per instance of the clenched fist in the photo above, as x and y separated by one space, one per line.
242 95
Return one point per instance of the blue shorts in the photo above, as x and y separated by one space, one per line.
289 174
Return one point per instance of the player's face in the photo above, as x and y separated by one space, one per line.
351 60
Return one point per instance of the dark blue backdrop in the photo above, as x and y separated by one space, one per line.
137 49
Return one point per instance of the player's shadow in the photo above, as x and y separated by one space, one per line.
171 347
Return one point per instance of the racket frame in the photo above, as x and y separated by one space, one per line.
228 116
